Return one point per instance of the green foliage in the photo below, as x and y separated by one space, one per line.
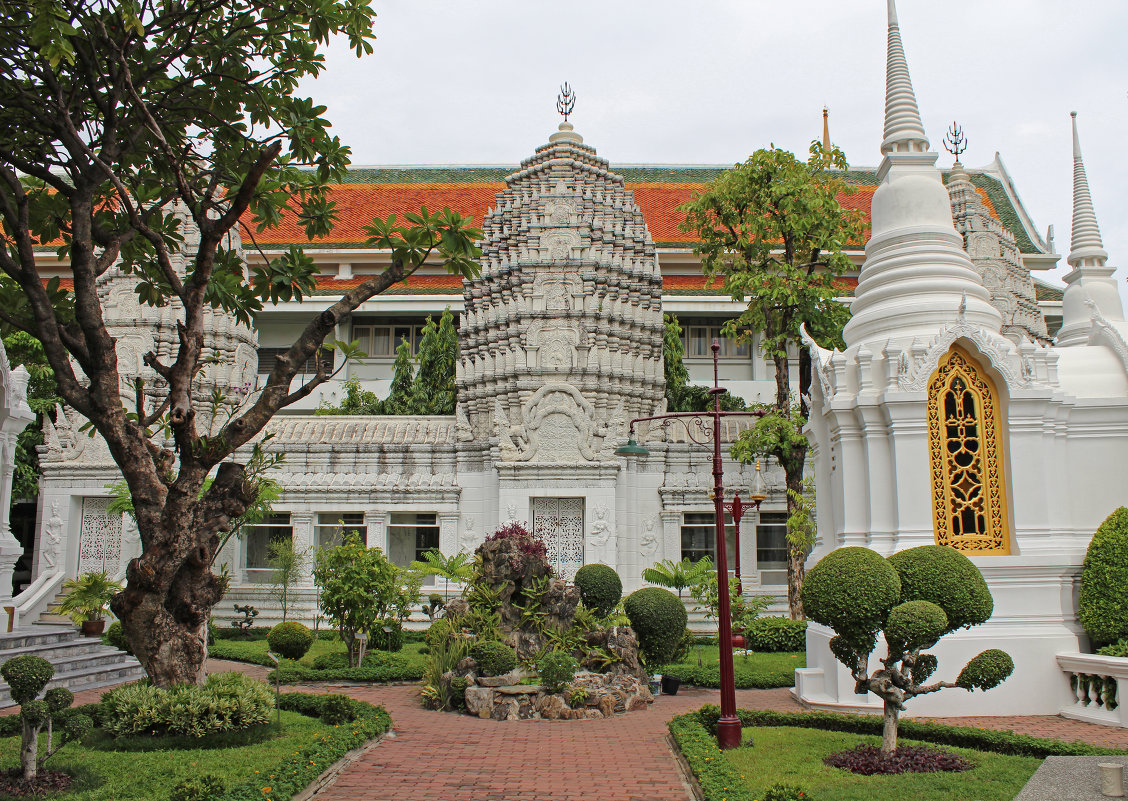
600 588
26 675
556 669
456 567
444 653
358 588
115 636
291 640
433 390
287 563
337 709
88 596
494 658
743 609
948 579
57 699
658 618
914 625
1103 605
355 401
776 433
715 774
1118 648
227 702
682 396
403 377
678 575
787 792
207 787
390 640
776 634
374 671
851 590
985 671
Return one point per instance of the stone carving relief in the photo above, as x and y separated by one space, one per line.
556 342
553 291
53 543
558 243
469 535
559 427
559 522
649 541
601 530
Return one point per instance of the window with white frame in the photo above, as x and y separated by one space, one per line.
698 342
333 527
379 339
699 536
410 535
256 543
771 543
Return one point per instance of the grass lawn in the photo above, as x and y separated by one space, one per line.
755 670
102 775
794 756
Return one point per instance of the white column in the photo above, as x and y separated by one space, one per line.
302 524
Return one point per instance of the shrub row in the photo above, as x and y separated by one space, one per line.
222 650
261 632
716 775
998 742
746 678
294 774
777 634
228 702
395 669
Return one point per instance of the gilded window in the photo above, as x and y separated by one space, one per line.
965 445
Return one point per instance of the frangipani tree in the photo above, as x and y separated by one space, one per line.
913 598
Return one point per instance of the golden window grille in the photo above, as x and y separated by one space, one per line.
969 505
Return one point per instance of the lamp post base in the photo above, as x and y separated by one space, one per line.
728 733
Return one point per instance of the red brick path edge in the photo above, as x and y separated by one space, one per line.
433 756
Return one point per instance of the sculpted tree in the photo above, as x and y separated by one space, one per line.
913 598
773 228
120 121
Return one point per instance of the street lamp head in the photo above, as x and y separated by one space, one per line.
632 448
758 494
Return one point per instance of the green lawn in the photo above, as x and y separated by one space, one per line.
102 775
255 650
755 670
794 756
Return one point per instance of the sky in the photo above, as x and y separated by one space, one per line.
710 81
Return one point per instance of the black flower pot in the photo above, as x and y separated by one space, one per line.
670 685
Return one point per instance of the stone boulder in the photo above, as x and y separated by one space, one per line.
511 564
622 643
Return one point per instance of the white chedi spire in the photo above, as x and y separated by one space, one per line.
1090 286
916 273
903 128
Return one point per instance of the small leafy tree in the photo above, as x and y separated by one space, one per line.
457 567
913 598
679 575
774 229
403 377
356 401
288 562
682 396
358 588
433 391
742 608
27 676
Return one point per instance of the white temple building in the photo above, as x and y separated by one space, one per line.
561 345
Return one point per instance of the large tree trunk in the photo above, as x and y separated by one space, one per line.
796 554
889 728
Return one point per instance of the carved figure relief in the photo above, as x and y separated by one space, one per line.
601 530
649 541
54 542
469 536
558 243
965 450
559 428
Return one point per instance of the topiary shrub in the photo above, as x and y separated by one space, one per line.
776 634
600 588
27 675
290 640
494 658
207 787
851 590
391 641
948 579
1103 604
115 636
337 709
1118 648
556 669
658 617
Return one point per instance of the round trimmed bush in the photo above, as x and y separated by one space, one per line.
337 709
851 590
115 636
600 588
775 634
58 699
494 658
1103 605
556 669
915 624
985 671
948 579
26 675
658 617
391 641
290 640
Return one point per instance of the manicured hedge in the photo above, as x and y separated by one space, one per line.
658 618
776 634
745 677
600 587
393 670
716 775
998 742
294 774
1103 604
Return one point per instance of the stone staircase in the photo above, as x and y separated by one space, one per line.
81 663
51 617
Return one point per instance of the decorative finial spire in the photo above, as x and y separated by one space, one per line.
1086 239
826 130
565 101
903 127
955 142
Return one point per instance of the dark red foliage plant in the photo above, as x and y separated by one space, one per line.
867 760
526 542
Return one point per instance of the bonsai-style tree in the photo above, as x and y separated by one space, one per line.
27 676
679 575
913 598
358 589
774 229
148 138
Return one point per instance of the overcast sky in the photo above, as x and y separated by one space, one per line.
708 82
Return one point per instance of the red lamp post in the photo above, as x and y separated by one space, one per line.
728 727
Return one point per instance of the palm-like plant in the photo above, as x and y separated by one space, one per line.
678 575
88 596
457 567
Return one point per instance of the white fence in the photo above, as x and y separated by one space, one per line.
1096 688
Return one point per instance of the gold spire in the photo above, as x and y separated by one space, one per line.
826 128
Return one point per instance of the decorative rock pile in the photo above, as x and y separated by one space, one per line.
505 698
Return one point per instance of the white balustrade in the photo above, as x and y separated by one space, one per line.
1095 688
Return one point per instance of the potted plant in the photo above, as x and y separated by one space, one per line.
87 601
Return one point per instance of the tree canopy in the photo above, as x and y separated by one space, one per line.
151 137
